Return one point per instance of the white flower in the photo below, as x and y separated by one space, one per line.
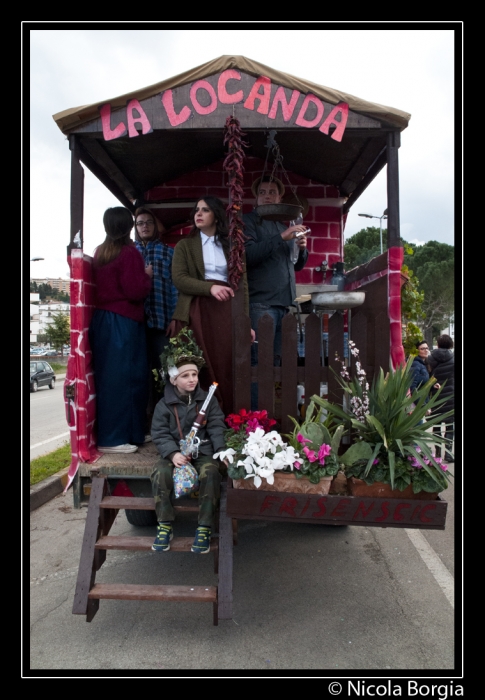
225 454
265 453
248 464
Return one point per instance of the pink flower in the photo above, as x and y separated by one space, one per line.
252 424
302 439
444 466
311 456
297 465
323 452
376 461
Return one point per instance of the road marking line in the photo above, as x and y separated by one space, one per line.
441 574
44 442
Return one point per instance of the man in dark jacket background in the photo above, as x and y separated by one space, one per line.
442 367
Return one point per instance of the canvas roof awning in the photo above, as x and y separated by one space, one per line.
157 151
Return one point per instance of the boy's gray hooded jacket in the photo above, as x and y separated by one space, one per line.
165 433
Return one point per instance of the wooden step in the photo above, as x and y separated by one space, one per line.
178 544
133 503
129 591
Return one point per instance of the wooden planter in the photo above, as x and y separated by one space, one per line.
358 487
288 483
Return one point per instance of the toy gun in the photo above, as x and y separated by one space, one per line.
189 446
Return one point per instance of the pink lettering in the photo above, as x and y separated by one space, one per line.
224 97
361 507
174 118
397 512
108 133
301 120
385 512
340 508
268 503
306 506
288 506
287 108
265 84
203 85
321 505
415 512
146 127
342 110
422 516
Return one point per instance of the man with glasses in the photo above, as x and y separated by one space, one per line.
161 302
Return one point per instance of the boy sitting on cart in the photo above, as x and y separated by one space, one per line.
182 407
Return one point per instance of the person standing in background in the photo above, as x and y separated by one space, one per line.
273 253
442 366
160 303
200 273
117 336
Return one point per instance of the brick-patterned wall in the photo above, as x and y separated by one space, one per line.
325 242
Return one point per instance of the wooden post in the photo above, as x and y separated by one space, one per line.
393 229
241 353
225 558
77 196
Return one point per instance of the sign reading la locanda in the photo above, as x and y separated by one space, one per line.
207 100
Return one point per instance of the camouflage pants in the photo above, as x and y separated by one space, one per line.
209 489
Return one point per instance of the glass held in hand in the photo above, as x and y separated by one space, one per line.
299 222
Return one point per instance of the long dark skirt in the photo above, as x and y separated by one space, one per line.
210 321
120 372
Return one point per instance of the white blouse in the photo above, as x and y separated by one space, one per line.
215 262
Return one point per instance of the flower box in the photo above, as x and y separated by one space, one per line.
358 487
288 483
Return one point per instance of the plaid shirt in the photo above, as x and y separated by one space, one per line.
160 303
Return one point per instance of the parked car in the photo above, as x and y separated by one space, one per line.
38 351
50 353
41 374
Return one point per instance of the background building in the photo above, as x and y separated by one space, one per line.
59 284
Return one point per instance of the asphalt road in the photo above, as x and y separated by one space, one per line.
311 600
48 425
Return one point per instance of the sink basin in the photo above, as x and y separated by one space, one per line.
336 300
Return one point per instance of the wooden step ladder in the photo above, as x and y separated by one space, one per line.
102 511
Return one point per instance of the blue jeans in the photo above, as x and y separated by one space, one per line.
256 311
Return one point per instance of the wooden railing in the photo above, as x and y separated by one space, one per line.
277 386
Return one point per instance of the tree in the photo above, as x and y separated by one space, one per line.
58 332
428 296
434 265
45 292
363 246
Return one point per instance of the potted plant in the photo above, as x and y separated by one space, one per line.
389 428
255 452
318 448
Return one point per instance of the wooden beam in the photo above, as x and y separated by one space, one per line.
393 228
77 196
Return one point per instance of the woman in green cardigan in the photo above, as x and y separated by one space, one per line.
199 272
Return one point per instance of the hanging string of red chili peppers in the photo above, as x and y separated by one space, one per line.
234 167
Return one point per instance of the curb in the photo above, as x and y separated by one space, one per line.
47 489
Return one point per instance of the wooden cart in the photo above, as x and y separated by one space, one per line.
162 146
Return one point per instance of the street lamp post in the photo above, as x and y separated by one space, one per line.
371 216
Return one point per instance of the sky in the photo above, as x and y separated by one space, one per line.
405 66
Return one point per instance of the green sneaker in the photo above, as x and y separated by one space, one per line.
164 535
202 542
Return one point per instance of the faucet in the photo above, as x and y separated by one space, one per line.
323 268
